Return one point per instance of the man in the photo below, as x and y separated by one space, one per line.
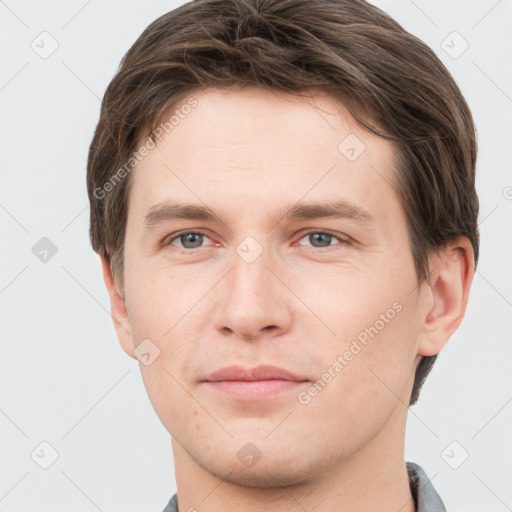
283 198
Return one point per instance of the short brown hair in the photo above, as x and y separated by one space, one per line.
347 48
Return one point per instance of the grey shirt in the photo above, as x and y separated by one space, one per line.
425 496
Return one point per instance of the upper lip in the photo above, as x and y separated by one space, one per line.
263 372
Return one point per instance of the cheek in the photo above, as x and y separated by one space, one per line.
376 326
352 303
156 297
370 381
382 368
168 309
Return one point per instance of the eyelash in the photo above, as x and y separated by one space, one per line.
168 241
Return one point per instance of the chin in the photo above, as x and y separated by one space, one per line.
275 470
268 478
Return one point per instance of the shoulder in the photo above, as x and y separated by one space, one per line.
424 494
172 506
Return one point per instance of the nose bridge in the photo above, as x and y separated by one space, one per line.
251 300
250 277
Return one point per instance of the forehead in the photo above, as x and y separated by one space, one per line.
259 146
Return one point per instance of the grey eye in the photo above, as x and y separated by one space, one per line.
322 239
190 240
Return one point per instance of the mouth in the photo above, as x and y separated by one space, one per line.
253 384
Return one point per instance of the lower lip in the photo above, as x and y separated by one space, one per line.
254 390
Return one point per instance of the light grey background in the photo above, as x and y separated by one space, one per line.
64 379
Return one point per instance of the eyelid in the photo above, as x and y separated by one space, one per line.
173 236
342 238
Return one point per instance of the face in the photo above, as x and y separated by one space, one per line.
300 260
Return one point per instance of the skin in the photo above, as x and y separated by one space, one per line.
298 305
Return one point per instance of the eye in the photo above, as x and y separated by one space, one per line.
322 239
188 239
194 239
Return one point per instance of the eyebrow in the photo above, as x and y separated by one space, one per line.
168 210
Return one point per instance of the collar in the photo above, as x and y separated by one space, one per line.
425 496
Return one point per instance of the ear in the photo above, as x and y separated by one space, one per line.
118 309
450 279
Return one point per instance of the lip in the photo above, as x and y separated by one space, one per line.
253 384
262 372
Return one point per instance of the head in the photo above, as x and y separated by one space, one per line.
255 110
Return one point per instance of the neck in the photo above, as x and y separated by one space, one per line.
374 478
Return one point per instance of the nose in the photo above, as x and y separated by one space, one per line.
254 301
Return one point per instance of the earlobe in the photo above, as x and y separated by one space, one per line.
448 288
118 309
